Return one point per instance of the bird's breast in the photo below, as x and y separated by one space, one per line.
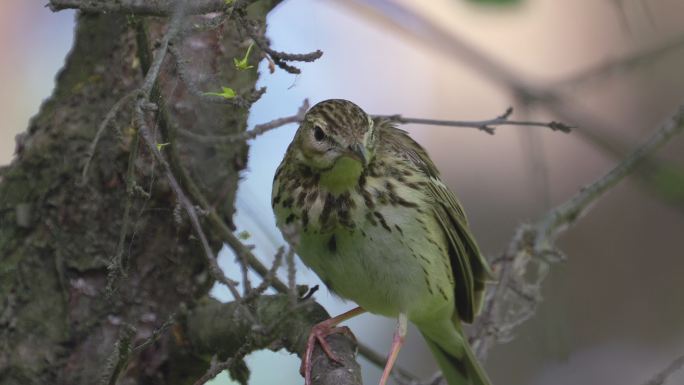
374 245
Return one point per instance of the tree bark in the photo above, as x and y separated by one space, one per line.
59 323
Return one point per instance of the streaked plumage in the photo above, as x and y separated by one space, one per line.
372 218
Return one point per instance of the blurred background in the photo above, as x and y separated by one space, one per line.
613 312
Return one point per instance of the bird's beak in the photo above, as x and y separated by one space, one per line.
359 152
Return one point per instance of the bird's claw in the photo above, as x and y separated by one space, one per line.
318 334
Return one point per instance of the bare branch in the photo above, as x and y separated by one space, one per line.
267 281
619 65
483 125
256 31
291 274
251 134
138 7
265 127
174 27
515 296
414 25
189 208
567 213
661 377
285 326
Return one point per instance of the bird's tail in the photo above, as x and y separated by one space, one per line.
463 370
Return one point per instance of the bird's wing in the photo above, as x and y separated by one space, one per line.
470 269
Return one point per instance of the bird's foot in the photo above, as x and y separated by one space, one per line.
318 334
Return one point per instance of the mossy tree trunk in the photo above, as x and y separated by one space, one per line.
58 322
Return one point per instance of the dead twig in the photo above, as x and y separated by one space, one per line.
482 125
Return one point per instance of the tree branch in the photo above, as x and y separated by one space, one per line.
185 203
258 129
483 125
626 63
590 127
146 89
661 377
254 30
138 7
217 328
567 213
515 296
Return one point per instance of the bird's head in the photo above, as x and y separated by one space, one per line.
335 133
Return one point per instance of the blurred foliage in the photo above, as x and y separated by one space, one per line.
669 182
496 2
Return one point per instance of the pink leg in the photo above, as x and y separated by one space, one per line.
318 334
397 342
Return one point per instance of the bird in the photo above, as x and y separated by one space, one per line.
364 207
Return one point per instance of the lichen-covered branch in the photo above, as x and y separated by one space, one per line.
218 328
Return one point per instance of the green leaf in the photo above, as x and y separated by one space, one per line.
243 64
226 93
244 235
228 2
161 145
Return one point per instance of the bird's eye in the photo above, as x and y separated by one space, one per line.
318 133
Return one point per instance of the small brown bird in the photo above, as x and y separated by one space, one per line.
372 218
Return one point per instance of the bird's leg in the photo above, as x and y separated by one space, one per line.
397 342
318 334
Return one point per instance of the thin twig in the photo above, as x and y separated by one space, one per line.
244 270
291 275
256 31
236 101
100 130
189 208
483 125
156 334
402 19
124 350
118 265
258 129
217 367
174 27
267 281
